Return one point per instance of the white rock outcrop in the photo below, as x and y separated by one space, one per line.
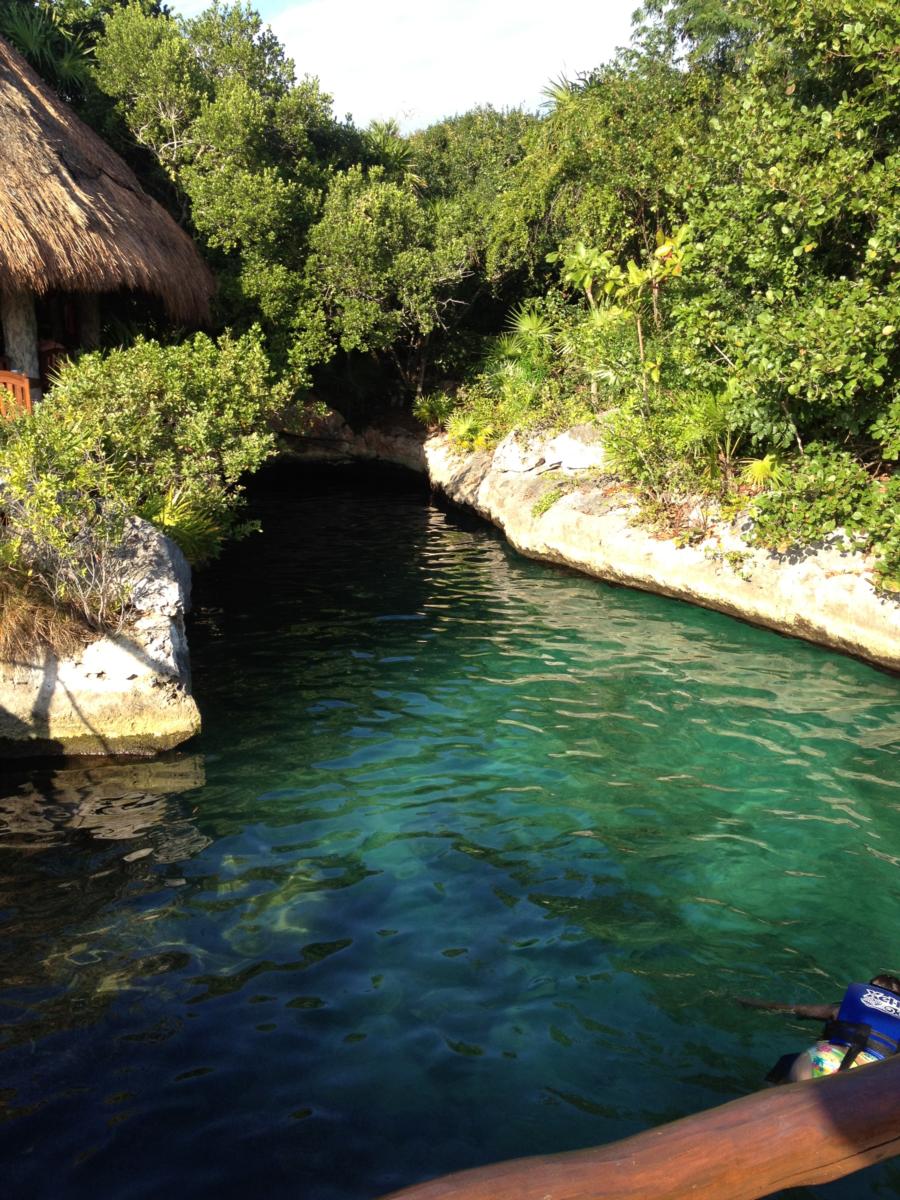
819 593
124 693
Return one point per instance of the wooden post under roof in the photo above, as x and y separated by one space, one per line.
20 335
89 323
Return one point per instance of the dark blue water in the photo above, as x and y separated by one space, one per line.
471 860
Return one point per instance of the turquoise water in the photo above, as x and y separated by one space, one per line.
471 860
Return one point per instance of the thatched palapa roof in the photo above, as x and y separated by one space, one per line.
73 216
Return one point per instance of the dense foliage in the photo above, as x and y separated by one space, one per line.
166 433
696 243
721 206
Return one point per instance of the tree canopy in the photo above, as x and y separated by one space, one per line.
705 230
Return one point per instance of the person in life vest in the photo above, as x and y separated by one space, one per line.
862 1028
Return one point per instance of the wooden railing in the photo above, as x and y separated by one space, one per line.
15 394
793 1136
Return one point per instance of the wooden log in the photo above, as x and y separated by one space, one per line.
792 1136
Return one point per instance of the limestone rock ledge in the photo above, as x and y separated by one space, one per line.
818 593
124 693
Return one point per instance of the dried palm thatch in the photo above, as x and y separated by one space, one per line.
73 216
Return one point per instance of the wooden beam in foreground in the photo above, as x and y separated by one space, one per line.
791 1136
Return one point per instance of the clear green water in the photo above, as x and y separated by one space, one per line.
470 862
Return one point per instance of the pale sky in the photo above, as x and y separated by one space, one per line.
421 60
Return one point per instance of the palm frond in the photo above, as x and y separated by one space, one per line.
527 322
188 522
507 346
558 92
762 473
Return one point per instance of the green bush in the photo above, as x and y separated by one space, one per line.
887 429
530 378
815 365
62 518
467 430
434 410
655 449
501 400
827 493
163 432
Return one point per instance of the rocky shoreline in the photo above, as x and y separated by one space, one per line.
130 693
554 501
124 693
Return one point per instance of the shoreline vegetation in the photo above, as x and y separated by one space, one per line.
693 248
555 499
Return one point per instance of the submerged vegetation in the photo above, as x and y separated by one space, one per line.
697 242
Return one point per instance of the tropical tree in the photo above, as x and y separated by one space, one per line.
383 277
793 197
248 148
598 169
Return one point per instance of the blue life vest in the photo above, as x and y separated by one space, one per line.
869 1018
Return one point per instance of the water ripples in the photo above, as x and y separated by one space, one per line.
471 861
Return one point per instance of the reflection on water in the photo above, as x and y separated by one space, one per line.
120 802
471 861
78 840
